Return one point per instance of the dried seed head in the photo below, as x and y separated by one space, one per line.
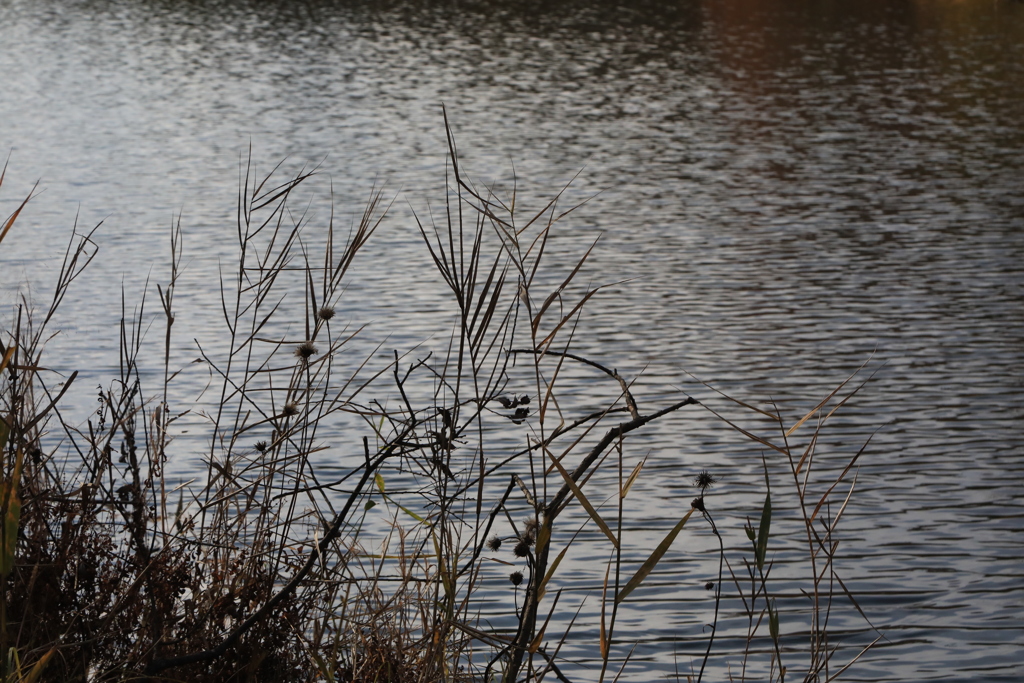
522 548
325 313
704 480
290 409
709 585
698 504
516 578
493 543
531 527
305 350
261 446
524 399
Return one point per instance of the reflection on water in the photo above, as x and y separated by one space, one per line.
788 187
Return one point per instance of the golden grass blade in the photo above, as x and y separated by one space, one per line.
583 500
551 570
648 566
7 357
14 216
814 410
535 645
632 477
37 670
829 398
604 604
543 537
846 502
807 453
846 471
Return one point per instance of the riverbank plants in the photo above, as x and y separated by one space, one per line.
462 469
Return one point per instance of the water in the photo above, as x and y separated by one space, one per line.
788 187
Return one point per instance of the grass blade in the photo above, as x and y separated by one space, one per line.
632 477
583 500
763 529
648 566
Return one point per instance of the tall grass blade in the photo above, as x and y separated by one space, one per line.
37 669
825 400
842 476
632 477
7 357
583 500
763 528
14 216
648 566
551 570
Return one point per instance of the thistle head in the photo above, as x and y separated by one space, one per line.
704 480
305 350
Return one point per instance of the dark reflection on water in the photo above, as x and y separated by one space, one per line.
790 186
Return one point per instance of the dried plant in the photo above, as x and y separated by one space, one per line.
264 570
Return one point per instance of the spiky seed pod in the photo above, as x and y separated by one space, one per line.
290 409
494 543
325 313
698 504
530 531
516 578
704 480
305 350
522 548
261 446
709 585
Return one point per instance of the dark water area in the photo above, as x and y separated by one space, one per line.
784 191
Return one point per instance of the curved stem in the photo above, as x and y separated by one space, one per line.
718 592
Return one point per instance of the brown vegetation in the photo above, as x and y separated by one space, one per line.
266 572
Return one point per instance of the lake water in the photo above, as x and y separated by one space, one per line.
786 187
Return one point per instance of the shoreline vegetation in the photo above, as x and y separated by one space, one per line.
266 571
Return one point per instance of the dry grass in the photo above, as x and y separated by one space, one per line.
263 571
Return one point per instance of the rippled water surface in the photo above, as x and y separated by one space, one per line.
786 188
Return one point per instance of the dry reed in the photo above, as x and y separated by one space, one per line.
266 572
